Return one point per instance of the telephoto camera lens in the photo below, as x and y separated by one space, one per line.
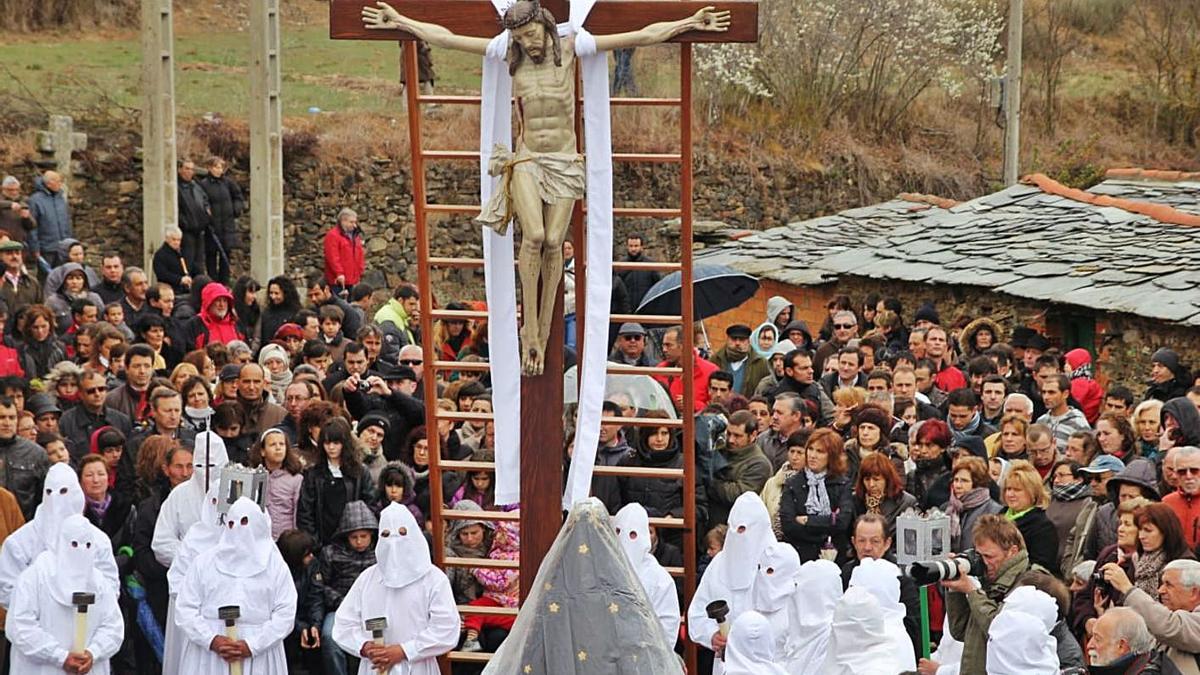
933 571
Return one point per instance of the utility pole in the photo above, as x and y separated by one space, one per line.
1012 93
159 199
266 142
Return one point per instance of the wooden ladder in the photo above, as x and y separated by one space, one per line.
427 262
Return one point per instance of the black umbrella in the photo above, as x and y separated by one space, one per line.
715 289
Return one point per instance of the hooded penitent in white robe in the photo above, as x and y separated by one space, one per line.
882 578
730 575
202 536
948 654
632 525
857 645
41 619
245 570
774 589
818 589
61 497
181 508
1019 639
751 646
409 591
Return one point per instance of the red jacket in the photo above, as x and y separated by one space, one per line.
700 373
1187 509
344 256
10 362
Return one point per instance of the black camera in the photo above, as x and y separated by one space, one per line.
1103 584
968 563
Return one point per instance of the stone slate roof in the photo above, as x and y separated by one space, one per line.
1038 241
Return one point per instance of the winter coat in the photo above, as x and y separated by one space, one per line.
966 521
700 372
608 488
1187 509
194 210
340 565
775 306
11 361
970 614
206 327
808 539
662 497
57 299
747 470
394 321
772 492
323 500
402 411
1185 413
889 508
966 339
638 282
42 356
283 495
27 292
753 370
23 466
466 586
227 203
53 217
13 224
1178 631
1041 539
170 267
345 256
1063 515
272 317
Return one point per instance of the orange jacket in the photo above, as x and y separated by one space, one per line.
1187 509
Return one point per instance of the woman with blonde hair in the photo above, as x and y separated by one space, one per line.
181 374
1147 419
846 402
1012 437
1025 501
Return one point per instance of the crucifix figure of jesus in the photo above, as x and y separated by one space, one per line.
543 176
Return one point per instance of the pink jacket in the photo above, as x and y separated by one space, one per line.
502 585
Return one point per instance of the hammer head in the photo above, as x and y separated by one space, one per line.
717 610
377 625
82 601
229 614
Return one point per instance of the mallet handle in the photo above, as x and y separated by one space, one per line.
235 667
80 632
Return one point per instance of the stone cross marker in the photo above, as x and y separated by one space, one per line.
60 140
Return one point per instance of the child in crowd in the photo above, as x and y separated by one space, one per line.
227 421
396 487
500 586
331 317
467 539
372 429
714 542
298 549
479 487
273 453
55 445
114 314
351 551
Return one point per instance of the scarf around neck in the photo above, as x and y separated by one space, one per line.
974 498
968 430
817 503
1070 492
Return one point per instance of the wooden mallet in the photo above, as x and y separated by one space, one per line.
81 601
230 614
718 610
376 626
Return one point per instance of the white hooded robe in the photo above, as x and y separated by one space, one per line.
750 650
41 619
882 578
818 589
204 534
774 590
61 497
245 570
730 575
632 526
409 591
857 644
1019 639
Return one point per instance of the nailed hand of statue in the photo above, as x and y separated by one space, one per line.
710 20
381 17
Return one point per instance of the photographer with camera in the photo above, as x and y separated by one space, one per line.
1175 623
15 219
976 588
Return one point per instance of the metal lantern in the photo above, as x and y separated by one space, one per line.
922 536
241 481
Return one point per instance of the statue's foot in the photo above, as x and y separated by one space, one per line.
534 362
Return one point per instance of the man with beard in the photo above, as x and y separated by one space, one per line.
746 468
215 322
637 282
736 358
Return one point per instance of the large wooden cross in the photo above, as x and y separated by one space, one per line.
541 423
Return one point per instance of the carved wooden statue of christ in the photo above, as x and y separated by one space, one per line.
544 175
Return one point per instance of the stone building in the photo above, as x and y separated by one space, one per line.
1115 269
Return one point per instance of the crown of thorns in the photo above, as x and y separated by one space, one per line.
520 13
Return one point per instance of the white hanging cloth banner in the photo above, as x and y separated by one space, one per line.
504 352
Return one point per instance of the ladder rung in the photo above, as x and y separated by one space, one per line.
464 314
482 562
455 415
638 472
642 421
490 611
475 100
474 366
456 262
622 369
455 514
465 465
646 318
618 211
674 571
662 158
622 266
469 657
677 523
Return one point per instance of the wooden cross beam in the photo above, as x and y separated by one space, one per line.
60 140
478 18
